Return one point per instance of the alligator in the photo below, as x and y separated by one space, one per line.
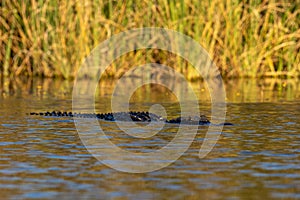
131 116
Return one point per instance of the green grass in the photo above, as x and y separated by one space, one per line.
246 38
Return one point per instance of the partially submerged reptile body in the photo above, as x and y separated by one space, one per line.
131 116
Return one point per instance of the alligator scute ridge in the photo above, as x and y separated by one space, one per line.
136 116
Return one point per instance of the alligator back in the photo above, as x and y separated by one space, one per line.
131 116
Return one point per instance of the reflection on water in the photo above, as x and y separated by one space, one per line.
257 158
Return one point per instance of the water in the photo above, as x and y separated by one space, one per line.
44 158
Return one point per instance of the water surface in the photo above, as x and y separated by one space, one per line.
257 158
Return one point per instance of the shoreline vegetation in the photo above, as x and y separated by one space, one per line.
245 38
237 90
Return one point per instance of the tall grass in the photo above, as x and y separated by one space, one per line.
245 38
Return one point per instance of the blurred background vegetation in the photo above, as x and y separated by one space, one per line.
246 38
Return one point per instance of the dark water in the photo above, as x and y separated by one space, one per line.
44 158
